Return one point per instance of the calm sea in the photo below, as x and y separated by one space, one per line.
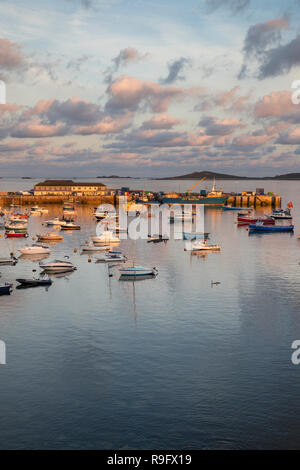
171 362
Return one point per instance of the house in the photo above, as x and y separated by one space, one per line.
70 188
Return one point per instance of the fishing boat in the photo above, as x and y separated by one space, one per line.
57 266
201 245
112 257
55 221
281 215
70 226
34 249
50 236
246 220
6 289
12 261
13 234
136 271
106 237
258 227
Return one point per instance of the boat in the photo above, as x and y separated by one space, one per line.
105 214
17 217
196 235
246 220
57 266
35 210
13 234
106 237
50 236
91 247
136 271
184 216
34 249
281 215
211 198
6 289
20 226
112 257
201 245
43 210
158 239
231 208
258 227
70 226
12 261
34 282
55 221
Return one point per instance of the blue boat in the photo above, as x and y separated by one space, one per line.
231 208
194 236
270 228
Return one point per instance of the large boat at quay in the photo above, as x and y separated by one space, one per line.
212 198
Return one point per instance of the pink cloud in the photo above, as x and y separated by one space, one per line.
277 103
11 56
162 121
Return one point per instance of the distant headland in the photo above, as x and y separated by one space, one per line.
197 175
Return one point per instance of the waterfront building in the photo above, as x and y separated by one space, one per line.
70 188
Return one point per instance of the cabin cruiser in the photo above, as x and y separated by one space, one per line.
201 245
70 226
106 237
91 247
55 221
112 257
50 236
281 215
34 282
34 249
57 266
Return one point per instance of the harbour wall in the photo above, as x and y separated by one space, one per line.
256 200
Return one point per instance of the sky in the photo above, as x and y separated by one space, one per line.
149 88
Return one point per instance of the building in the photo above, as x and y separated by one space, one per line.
70 188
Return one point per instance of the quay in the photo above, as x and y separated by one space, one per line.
89 193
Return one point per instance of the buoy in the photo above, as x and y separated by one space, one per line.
33 238
89 260
86 242
75 250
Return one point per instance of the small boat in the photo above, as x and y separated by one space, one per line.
258 227
35 210
17 226
6 289
57 266
158 239
50 236
91 247
55 221
106 237
70 226
112 257
184 216
201 245
14 234
232 208
196 235
34 282
43 210
34 249
246 220
12 261
136 271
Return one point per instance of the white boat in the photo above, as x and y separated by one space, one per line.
201 245
57 266
136 271
35 250
51 236
55 221
35 210
43 210
70 226
91 247
112 257
106 237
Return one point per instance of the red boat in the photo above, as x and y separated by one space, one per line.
16 235
21 216
248 220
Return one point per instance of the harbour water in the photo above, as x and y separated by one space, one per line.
164 363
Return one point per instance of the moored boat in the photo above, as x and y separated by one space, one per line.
50 236
34 249
201 245
258 227
246 220
136 271
5 289
57 266
70 226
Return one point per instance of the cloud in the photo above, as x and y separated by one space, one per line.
235 6
281 60
216 127
125 56
289 138
75 64
251 140
37 129
11 55
128 93
176 67
259 38
277 103
162 121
